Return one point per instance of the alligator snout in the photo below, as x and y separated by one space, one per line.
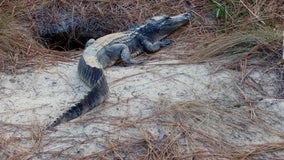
186 15
182 17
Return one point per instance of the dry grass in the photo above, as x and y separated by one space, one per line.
192 130
253 43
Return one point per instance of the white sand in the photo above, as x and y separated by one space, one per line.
136 92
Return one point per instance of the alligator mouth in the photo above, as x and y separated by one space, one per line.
175 22
172 24
180 19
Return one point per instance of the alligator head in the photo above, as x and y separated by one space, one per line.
160 27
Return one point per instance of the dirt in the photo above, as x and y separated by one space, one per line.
137 93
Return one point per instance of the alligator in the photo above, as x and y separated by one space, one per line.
107 50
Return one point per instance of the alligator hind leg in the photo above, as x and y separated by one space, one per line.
121 51
90 42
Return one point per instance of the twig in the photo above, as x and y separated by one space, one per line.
256 16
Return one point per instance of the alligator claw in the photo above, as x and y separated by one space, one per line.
137 61
166 42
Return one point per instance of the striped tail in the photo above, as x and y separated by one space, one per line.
93 77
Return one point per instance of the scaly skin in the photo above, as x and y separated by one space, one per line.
106 50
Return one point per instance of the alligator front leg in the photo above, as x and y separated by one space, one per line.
122 51
153 47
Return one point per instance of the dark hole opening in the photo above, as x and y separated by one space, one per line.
63 42
63 29
64 39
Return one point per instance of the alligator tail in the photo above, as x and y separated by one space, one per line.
93 77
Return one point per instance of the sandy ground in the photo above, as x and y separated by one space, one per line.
41 96
136 92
